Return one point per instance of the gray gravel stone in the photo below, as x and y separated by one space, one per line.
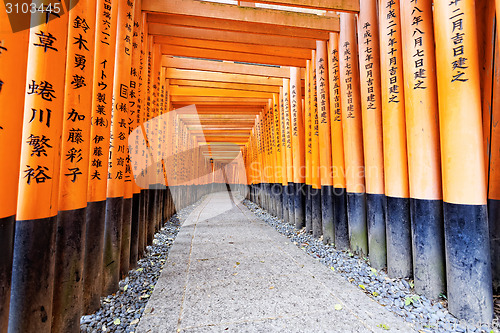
426 315
129 301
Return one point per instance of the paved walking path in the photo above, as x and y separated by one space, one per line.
229 271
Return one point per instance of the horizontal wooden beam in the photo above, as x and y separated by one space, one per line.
222 77
228 134
225 67
237 26
225 139
230 36
201 117
211 132
331 5
243 14
216 92
289 52
186 51
231 111
223 85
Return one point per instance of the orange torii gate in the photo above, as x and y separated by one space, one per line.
350 126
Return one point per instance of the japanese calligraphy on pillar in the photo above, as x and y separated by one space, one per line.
286 103
135 89
392 31
323 114
283 134
315 104
102 102
43 114
309 108
335 79
294 110
119 162
78 105
367 51
459 63
350 110
277 126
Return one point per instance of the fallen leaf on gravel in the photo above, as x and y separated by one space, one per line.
117 321
332 268
338 307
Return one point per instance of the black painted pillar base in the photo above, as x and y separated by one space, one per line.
468 264
327 214
278 196
494 228
68 278
112 245
356 217
126 234
143 227
299 206
156 200
267 199
317 223
308 210
398 233
94 249
340 218
151 222
291 203
284 203
33 275
7 250
134 231
274 199
375 219
429 267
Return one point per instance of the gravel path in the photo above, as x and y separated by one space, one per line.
121 311
397 295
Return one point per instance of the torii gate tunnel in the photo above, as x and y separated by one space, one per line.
371 124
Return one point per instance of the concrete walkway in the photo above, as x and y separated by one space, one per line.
229 271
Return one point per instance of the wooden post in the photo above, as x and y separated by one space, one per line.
298 146
135 109
371 103
70 240
289 151
339 183
13 60
468 265
399 254
308 147
353 136
37 204
317 225
104 63
279 158
284 159
325 149
424 160
118 152
494 171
